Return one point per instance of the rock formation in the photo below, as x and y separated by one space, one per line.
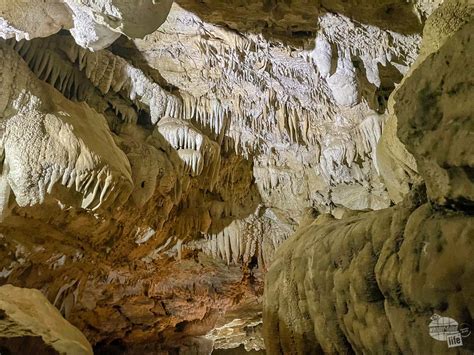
94 24
29 323
371 282
158 158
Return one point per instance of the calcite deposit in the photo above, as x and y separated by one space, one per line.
239 176
30 324
374 281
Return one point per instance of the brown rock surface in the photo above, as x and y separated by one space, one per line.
30 324
148 179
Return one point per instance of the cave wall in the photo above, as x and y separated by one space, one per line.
372 282
151 169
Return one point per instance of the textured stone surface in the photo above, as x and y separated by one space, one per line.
372 282
94 24
150 173
397 166
31 19
26 317
320 102
441 137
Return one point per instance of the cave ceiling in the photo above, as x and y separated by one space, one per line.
156 155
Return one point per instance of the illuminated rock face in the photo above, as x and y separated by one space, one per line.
94 24
29 323
372 282
148 180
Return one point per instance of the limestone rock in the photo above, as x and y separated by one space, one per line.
364 283
94 24
27 319
151 169
86 31
240 328
436 124
98 23
31 19
396 165
49 141
134 20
